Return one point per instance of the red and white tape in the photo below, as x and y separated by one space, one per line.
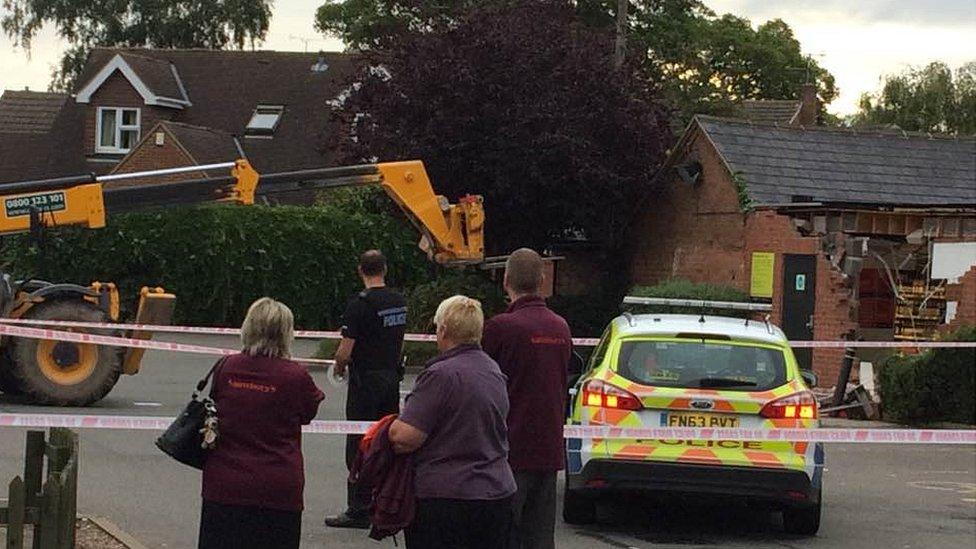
204 330
97 339
582 342
332 427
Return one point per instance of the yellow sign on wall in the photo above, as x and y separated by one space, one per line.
762 273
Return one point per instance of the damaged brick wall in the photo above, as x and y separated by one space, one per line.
964 293
833 317
700 233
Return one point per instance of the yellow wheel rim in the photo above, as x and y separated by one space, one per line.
66 363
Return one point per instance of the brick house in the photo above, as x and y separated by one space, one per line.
827 225
138 109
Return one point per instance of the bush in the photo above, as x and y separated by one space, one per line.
218 259
937 385
423 299
685 289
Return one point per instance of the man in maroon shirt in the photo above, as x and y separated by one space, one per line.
532 345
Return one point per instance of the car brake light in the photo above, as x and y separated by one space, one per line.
603 395
798 406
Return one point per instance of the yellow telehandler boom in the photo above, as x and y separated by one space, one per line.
64 373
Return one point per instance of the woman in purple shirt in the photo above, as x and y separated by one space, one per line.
454 424
254 478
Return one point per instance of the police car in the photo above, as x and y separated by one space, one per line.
668 370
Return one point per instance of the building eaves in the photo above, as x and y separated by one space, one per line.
156 81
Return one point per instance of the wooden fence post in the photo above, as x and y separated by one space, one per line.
51 508
48 520
15 514
33 466
68 482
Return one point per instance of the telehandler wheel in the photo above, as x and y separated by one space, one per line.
8 383
63 373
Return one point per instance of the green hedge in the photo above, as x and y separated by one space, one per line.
937 385
218 259
423 299
685 289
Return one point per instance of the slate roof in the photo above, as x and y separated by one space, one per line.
781 163
29 111
157 74
26 154
771 111
205 145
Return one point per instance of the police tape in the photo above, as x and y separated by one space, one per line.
582 342
97 339
666 435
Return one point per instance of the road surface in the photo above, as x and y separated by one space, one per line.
893 496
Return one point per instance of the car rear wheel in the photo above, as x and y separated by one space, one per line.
577 508
803 521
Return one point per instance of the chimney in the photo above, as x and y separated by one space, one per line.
809 106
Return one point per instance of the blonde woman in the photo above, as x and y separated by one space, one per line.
254 478
454 424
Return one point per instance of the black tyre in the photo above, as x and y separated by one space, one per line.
65 373
803 521
577 508
8 383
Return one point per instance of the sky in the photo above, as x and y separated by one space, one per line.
858 41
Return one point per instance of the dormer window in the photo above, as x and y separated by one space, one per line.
117 130
265 120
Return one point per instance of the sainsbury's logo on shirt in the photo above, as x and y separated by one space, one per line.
250 386
547 340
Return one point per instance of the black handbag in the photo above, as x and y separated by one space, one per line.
184 438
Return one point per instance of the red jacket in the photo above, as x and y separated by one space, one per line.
389 476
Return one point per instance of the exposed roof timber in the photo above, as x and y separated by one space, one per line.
118 63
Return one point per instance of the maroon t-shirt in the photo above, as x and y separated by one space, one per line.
262 403
532 345
459 401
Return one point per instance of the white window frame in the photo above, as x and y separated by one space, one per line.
267 133
119 128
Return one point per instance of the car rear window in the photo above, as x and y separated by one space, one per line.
698 364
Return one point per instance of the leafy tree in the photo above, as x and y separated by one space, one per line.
929 99
702 63
134 23
534 117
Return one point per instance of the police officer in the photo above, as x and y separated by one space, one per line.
370 349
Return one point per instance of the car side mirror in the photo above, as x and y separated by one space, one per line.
574 369
809 378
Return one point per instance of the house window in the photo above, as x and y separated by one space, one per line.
265 120
117 130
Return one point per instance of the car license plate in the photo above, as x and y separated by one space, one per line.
696 419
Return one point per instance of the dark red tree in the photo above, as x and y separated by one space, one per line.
520 103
